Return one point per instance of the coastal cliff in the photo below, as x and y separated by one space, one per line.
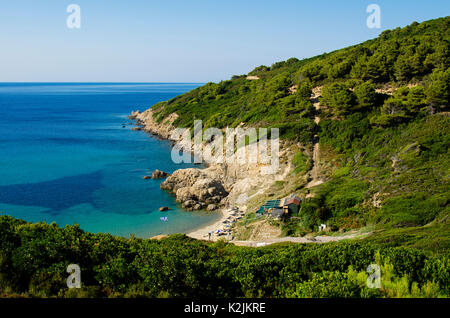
219 184
363 135
162 129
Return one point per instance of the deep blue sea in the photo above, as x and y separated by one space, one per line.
66 158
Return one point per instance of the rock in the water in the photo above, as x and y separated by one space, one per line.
146 177
136 128
211 207
158 174
134 114
195 189
164 208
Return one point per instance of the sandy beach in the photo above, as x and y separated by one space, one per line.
202 233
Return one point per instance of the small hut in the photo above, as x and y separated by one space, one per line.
292 205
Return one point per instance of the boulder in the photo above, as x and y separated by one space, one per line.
185 194
214 200
204 190
164 208
146 177
181 178
188 204
158 174
211 207
195 189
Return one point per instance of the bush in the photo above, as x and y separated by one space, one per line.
339 98
301 162
182 267
366 96
438 90
304 89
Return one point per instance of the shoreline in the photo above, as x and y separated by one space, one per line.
202 232
228 216
225 213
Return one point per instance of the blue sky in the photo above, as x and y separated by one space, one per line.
183 40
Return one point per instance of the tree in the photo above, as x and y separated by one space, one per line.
403 68
339 70
304 89
339 98
278 85
438 91
366 95
416 99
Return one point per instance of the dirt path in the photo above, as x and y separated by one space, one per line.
317 239
314 172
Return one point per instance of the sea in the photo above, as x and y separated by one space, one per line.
68 155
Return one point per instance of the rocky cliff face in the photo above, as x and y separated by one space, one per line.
217 185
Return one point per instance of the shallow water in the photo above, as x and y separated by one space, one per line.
66 158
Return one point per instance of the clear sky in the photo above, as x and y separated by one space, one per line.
183 40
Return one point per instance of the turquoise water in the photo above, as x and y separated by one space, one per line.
66 158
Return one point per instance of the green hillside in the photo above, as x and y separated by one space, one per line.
416 54
384 128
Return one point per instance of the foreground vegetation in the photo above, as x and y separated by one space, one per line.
34 258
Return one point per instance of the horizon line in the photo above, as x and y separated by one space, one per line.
93 82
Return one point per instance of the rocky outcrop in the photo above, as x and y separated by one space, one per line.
182 178
158 174
162 129
195 189
218 184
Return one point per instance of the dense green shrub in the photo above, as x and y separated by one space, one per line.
366 95
339 98
182 267
438 90
304 89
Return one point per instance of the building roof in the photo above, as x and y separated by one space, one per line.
269 205
293 200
